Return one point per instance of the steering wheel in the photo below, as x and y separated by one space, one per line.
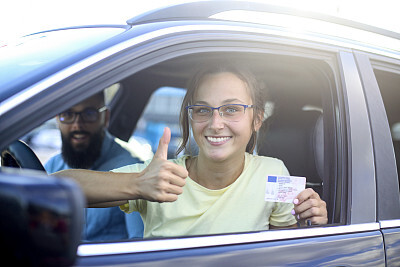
20 155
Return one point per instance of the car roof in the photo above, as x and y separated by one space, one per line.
98 38
208 9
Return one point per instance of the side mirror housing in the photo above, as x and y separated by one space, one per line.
41 218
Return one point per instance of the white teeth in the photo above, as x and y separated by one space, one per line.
217 139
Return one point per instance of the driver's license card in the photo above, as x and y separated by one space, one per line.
283 188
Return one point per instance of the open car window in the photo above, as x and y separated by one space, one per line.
45 140
301 113
300 125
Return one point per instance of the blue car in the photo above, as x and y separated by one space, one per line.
333 116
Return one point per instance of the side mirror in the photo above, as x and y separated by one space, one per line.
41 218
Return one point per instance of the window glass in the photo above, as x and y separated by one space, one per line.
45 140
35 51
389 85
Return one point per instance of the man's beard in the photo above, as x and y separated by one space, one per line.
85 158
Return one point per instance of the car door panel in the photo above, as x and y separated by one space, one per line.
349 249
391 237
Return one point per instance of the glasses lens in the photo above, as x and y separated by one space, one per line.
232 112
67 117
90 115
200 113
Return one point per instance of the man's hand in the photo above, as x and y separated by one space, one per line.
309 206
162 180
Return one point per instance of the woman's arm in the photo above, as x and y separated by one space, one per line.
308 206
160 181
104 189
309 209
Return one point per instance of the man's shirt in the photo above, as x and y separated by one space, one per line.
106 223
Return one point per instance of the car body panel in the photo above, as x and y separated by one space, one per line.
361 154
356 247
391 235
385 160
123 41
366 208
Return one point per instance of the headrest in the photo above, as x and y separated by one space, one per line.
296 137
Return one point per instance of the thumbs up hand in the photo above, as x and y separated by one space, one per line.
162 180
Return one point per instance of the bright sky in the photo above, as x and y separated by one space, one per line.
20 17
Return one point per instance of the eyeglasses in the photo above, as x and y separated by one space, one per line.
87 115
230 112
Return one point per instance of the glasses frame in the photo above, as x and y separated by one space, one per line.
76 114
189 108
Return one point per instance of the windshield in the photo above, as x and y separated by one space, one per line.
34 51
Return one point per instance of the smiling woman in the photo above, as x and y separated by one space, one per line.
221 170
242 78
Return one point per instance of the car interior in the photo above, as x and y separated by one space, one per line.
299 118
299 109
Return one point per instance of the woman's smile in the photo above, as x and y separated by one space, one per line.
218 140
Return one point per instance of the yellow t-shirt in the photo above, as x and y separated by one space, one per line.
239 207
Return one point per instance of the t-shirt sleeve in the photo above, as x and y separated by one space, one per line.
138 204
281 215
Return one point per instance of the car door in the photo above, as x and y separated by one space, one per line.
353 237
381 79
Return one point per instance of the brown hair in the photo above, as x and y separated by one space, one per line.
243 74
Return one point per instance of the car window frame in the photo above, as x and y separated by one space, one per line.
142 59
385 162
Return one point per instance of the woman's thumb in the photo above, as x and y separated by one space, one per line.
162 150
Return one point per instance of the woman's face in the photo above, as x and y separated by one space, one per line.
218 139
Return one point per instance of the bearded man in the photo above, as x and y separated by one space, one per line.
86 144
